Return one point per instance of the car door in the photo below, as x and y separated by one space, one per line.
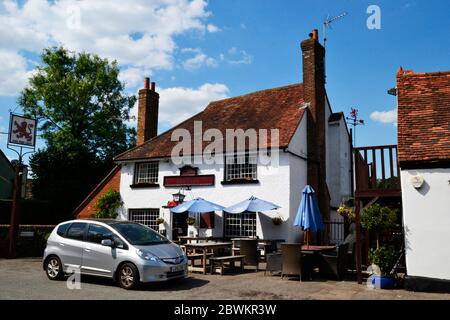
71 246
97 258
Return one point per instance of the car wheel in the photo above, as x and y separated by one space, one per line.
128 276
54 268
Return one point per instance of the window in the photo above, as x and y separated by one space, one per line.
62 229
146 172
138 234
97 233
240 167
76 231
240 225
145 216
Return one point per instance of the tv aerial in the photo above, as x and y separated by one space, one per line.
327 24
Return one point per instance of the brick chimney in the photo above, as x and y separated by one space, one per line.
148 105
313 54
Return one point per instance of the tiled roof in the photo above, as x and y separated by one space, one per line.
423 116
278 108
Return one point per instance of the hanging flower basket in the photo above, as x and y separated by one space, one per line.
277 221
347 212
190 221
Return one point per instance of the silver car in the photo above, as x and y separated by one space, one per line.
126 251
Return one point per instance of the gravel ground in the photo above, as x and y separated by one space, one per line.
25 279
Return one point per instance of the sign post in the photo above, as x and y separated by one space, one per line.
22 134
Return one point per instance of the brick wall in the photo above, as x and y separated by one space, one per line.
148 106
313 54
87 207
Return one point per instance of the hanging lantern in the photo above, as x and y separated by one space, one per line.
178 197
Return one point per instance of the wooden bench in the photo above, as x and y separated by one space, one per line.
220 261
197 256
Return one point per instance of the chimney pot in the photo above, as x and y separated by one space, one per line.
153 86
147 83
314 34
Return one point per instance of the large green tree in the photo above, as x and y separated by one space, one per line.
82 112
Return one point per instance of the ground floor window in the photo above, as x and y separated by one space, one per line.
240 225
145 216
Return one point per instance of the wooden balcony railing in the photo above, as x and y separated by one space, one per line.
376 171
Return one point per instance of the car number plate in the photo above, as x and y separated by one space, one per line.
176 268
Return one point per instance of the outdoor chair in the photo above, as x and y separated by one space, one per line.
273 262
294 263
249 248
335 264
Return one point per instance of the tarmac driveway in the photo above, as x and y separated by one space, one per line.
25 279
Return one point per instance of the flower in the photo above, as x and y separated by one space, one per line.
277 221
190 221
346 212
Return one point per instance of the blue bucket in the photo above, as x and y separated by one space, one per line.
383 282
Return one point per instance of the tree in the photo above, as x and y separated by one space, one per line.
83 112
378 218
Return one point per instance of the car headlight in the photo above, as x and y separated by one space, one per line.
147 255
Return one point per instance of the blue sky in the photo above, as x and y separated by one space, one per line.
199 51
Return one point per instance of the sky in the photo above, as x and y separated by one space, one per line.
198 51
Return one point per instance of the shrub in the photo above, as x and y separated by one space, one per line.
106 207
384 257
378 219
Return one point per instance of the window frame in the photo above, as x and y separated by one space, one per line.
242 231
84 231
134 210
242 175
137 172
97 225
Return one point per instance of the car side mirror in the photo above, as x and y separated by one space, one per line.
107 243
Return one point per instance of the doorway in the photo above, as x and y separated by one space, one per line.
179 225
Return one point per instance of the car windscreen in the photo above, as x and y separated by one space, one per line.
138 234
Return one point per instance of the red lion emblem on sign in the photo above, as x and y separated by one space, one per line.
23 130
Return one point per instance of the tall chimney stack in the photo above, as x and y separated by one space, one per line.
148 105
313 54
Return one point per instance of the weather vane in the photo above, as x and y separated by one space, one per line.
354 121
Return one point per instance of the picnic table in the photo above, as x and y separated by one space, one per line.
204 248
316 248
192 239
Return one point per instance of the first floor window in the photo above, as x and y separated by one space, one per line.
146 172
146 217
240 225
241 167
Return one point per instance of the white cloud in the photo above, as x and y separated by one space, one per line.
241 58
198 60
13 72
389 116
212 28
133 76
179 103
235 56
137 33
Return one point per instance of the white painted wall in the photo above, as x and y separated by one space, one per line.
426 219
338 162
273 186
280 184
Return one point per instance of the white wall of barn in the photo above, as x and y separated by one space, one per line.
426 219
